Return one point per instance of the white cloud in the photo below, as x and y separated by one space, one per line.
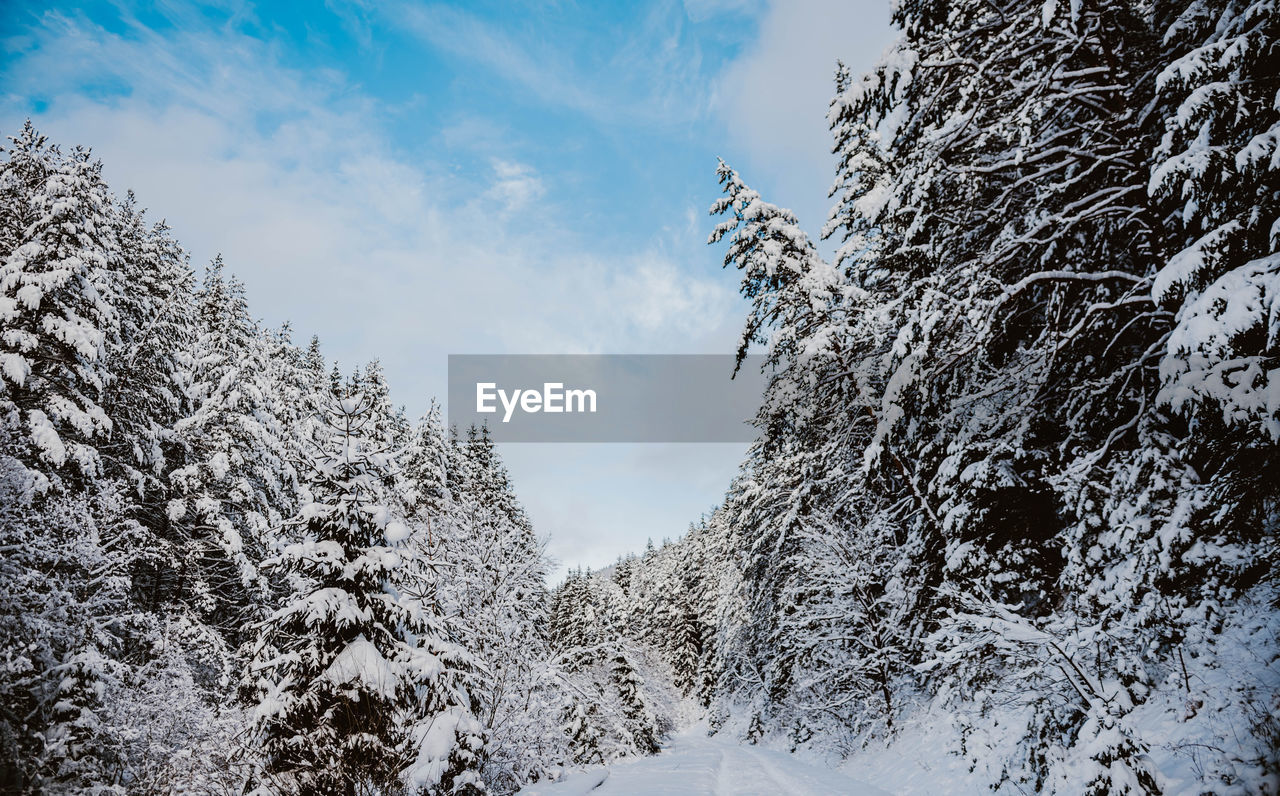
655 77
517 185
456 32
666 298
322 199
773 98
701 10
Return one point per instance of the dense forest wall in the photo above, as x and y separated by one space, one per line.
227 567
1017 459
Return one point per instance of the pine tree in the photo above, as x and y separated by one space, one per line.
356 682
66 619
98 336
388 424
783 275
640 723
972 402
428 462
314 361
500 595
816 410
57 309
583 735
574 628
1214 174
150 358
235 480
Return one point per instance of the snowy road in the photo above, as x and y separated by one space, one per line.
694 765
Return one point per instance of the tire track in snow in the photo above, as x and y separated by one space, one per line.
722 780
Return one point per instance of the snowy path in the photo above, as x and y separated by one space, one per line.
694 765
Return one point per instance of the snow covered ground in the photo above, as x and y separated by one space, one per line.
692 764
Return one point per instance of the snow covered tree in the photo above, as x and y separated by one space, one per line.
583 735
172 719
1215 173
498 591
65 621
150 358
57 279
295 383
107 368
604 661
358 685
389 425
640 722
574 620
797 310
235 480
852 623
1054 225
428 460
149 432
789 284
1011 467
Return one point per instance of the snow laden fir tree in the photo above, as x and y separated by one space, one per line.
359 683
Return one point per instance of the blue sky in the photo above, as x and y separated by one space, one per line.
413 180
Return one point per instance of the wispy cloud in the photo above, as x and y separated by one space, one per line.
517 185
701 10
290 175
655 76
544 74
